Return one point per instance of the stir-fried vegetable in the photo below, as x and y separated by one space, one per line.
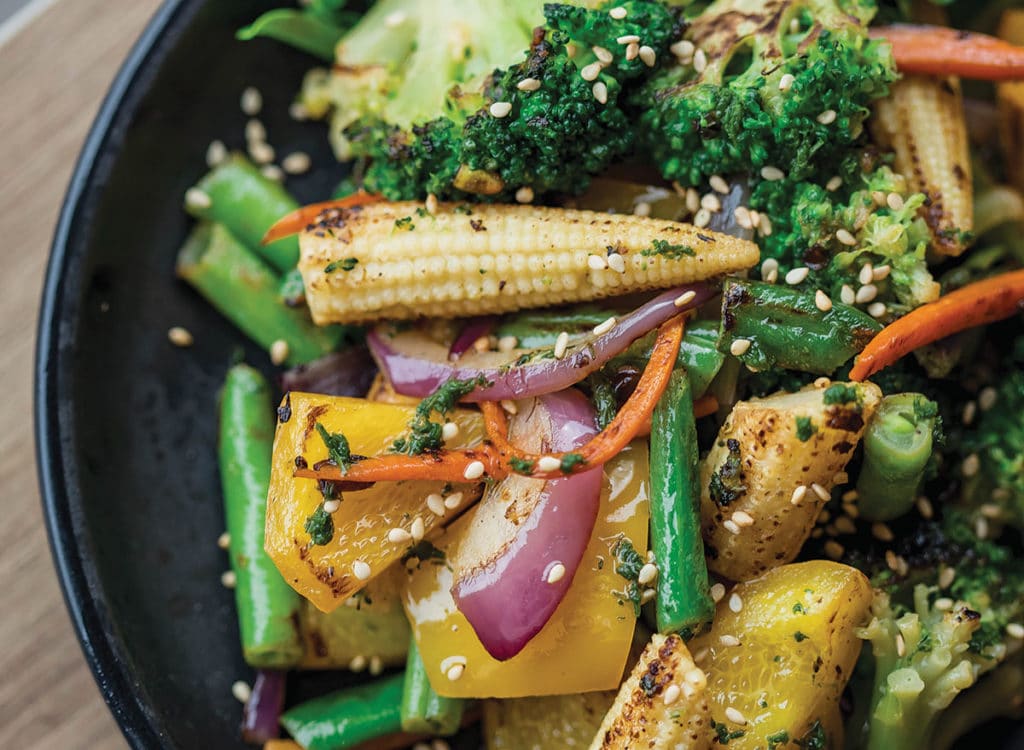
422 709
939 50
342 720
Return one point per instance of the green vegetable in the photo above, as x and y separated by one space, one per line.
535 329
683 600
347 717
292 290
320 526
267 606
786 329
248 204
245 290
315 29
840 393
627 565
337 447
698 354
805 429
897 448
425 434
726 484
423 710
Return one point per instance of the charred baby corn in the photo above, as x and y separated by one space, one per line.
922 121
401 261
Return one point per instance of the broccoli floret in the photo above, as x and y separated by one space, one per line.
731 115
538 124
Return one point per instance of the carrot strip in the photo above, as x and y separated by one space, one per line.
940 50
301 218
976 304
498 455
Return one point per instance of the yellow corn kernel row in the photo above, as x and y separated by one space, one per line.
399 261
922 121
1010 104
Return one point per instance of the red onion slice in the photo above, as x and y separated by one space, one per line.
260 719
345 373
417 365
471 331
516 575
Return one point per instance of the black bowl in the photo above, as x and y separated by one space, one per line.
125 421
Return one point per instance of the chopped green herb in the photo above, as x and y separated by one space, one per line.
424 434
727 481
424 551
345 264
799 637
805 429
667 250
320 526
627 564
520 465
814 738
337 447
570 461
405 223
840 393
798 609
724 735
462 208
422 212
779 738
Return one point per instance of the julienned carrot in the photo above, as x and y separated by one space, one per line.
301 218
940 50
496 458
973 305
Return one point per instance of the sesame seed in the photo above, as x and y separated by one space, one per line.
647 574
768 267
643 208
1015 630
431 204
866 293
851 510
797 275
827 117
600 92
528 84
946 576
617 263
772 174
786 81
683 48
242 691
901 645
822 301
439 744
603 328
735 716
507 343
895 201
878 197
453 501
970 410
991 510
648 56
729 640
891 560
597 262
252 101
436 504
272 172
844 236
731 526
882 532
880 272
524 195
846 295
618 13
672 693
971 465
822 382
755 217
798 495
987 398
449 431
361 570
739 347
692 200
555 573
628 39
834 184
647 595
700 61
474 470
500 109
298 112
711 202
590 72
981 527
821 492
845 525
742 216
877 309
509 406
224 540
254 131
703 218
455 672
561 344
418 529
376 665
279 351
399 536
331 506
718 184
358 663
924 507
867 274
261 152
944 604
765 225
742 518
548 463
632 51
197 200
228 579
735 602
717 592
696 677
180 336
297 162
394 19
834 549
216 153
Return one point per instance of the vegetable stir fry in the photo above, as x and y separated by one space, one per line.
654 376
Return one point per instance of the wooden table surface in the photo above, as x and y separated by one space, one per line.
53 74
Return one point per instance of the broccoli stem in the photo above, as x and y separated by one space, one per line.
897 446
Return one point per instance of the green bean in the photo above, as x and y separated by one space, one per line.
683 598
423 710
248 204
347 717
897 446
245 290
267 606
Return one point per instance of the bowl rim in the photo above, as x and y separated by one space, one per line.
104 651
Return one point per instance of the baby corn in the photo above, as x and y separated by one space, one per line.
923 122
1010 102
401 261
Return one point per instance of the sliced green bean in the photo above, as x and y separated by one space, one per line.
423 710
347 717
246 291
248 204
683 600
897 446
267 606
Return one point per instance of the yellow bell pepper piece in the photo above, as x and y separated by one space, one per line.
325 574
583 646
783 659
